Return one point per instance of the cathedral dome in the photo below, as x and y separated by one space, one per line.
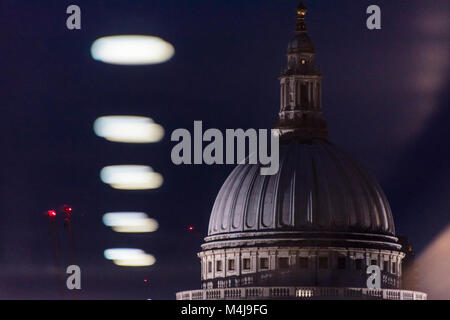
318 188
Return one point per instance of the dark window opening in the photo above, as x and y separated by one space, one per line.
323 263
304 95
264 263
246 264
358 264
209 266
231 265
385 266
341 262
373 262
283 263
219 266
303 262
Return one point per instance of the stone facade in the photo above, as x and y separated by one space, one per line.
301 266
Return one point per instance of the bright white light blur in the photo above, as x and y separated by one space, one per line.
128 129
143 261
129 257
132 50
126 177
115 219
149 225
130 222
123 253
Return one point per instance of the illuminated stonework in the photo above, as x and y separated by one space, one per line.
296 265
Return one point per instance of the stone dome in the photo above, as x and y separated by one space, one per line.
318 188
301 43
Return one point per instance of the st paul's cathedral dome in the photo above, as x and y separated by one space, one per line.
317 188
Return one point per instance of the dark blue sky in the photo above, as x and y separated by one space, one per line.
385 100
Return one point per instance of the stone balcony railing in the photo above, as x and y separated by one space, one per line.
312 293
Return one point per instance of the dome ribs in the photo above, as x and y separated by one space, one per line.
373 199
347 206
241 203
371 216
381 206
336 187
253 208
232 197
217 211
286 193
303 215
224 194
360 196
270 213
323 209
382 211
262 201
388 218
319 188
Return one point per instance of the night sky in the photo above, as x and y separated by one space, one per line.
384 97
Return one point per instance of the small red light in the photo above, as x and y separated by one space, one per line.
191 228
145 280
51 213
67 210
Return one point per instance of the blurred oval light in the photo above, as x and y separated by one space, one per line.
132 50
131 177
143 261
114 219
129 257
123 253
149 225
128 129
130 222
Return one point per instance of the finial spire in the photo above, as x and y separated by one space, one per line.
301 7
301 15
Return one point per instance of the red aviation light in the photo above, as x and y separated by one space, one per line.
51 213
67 210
